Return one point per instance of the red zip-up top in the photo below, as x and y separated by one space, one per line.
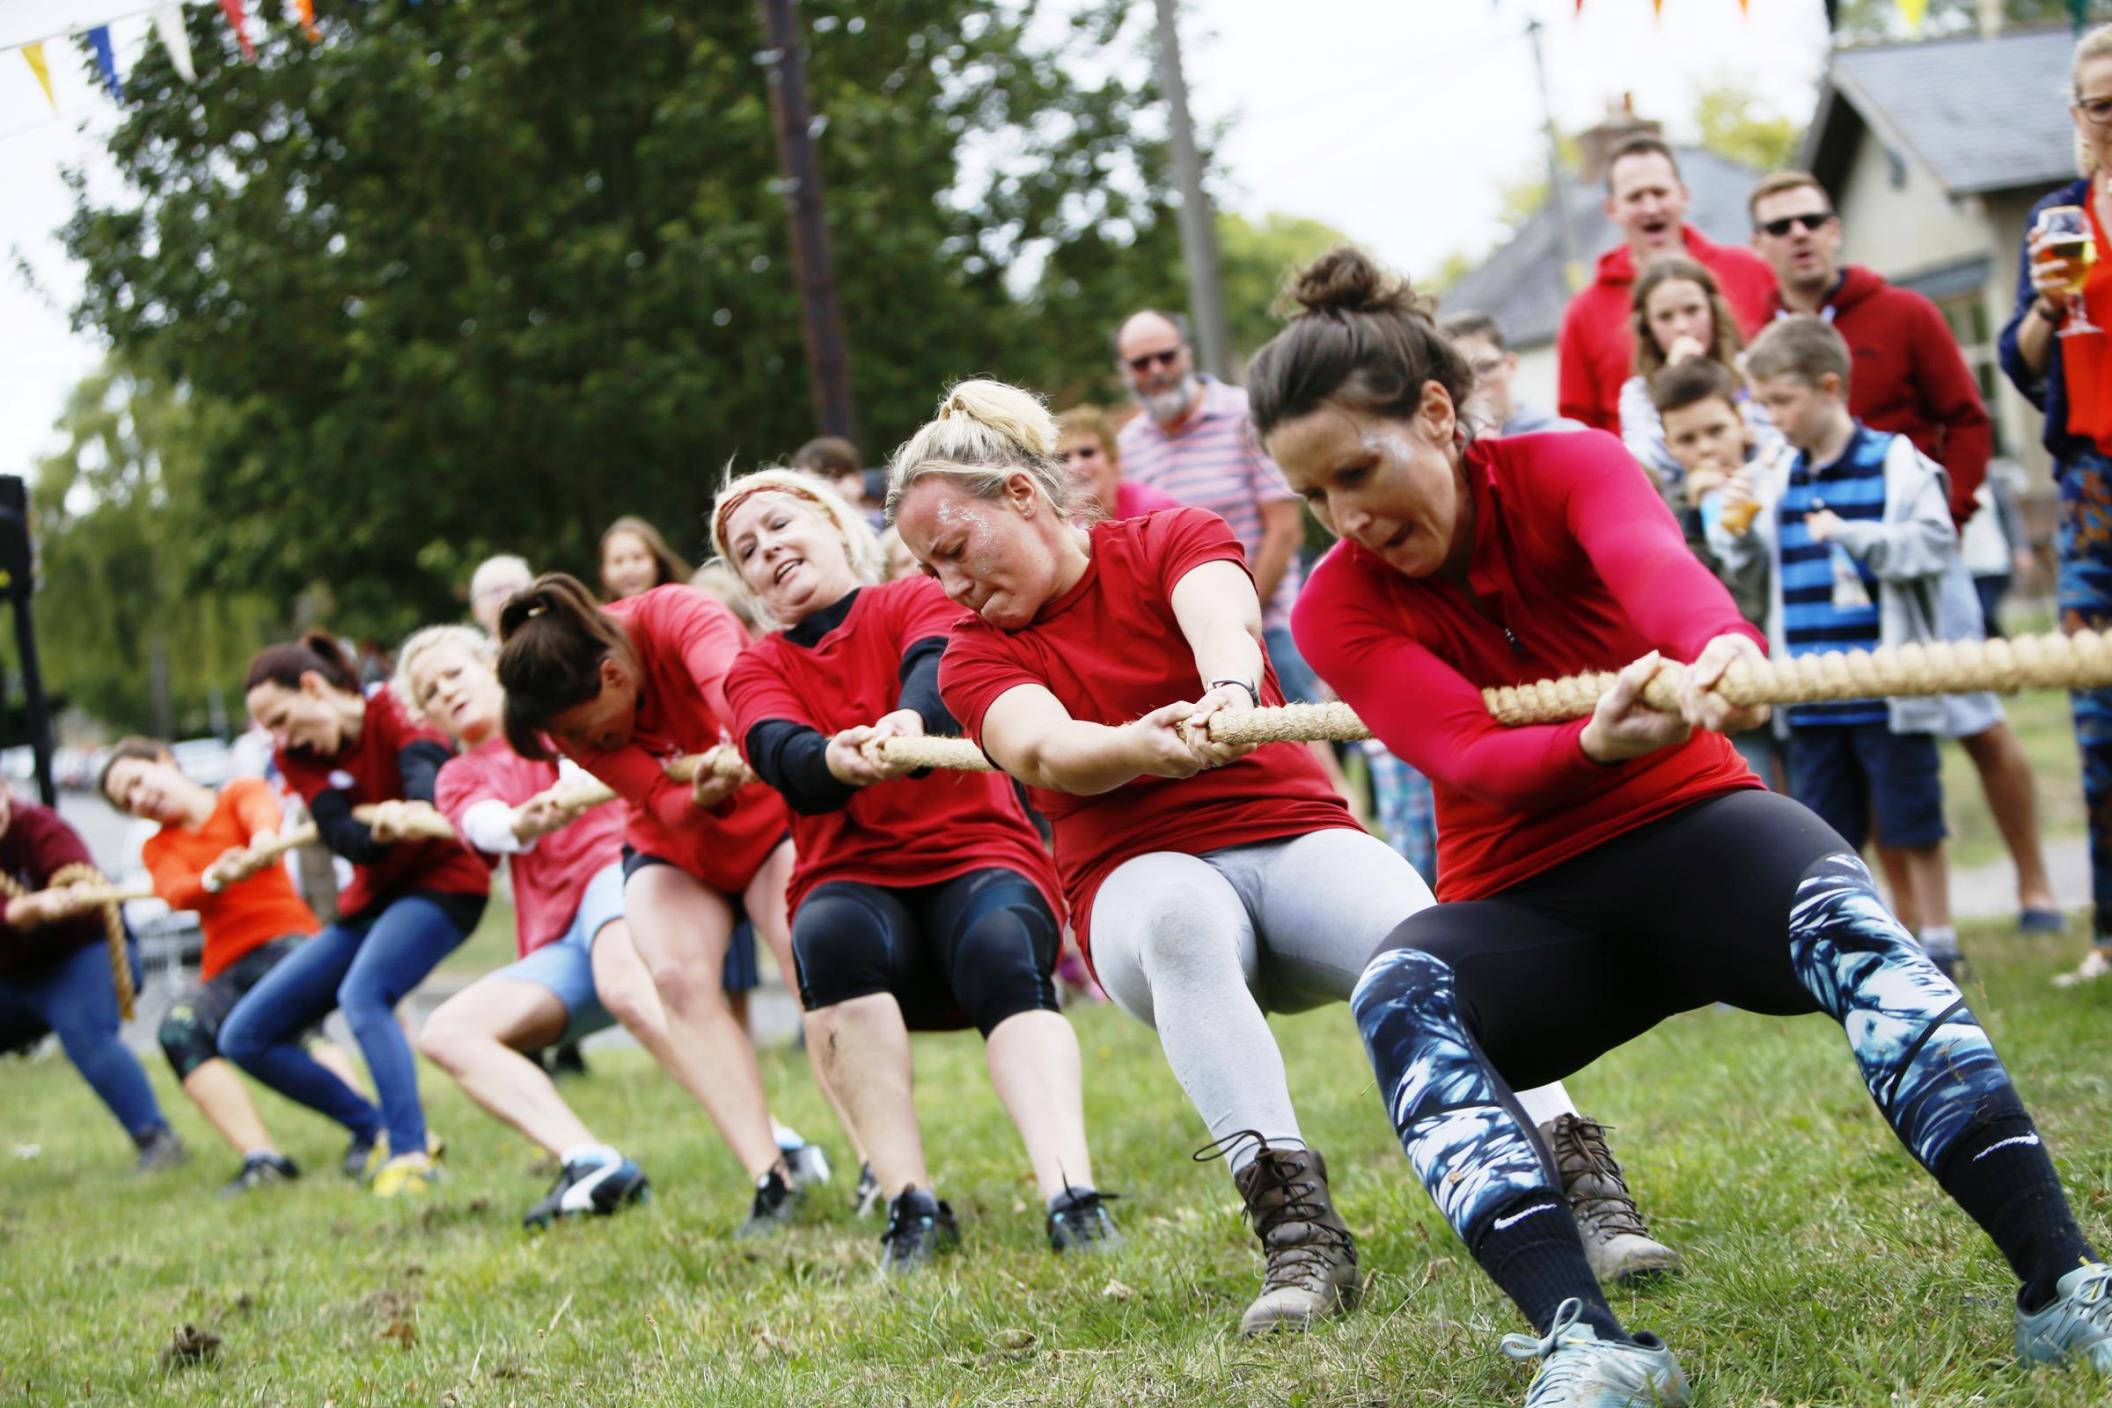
904 832
1577 565
366 772
550 877
685 642
1111 650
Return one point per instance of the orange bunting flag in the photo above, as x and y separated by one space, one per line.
306 10
1657 7
239 22
34 54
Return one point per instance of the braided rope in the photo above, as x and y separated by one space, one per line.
88 889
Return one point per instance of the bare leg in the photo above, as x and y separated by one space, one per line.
861 1052
2013 797
681 928
1929 874
1034 1064
216 1089
477 1036
332 1058
765 901
1900 885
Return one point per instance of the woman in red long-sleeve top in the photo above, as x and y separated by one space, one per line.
917 901
623 690
1604 874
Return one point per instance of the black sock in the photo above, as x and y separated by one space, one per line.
1999 1172
1531 1248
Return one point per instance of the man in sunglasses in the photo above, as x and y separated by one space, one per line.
1910 378
1195 443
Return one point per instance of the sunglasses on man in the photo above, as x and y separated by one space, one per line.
1148 360
1810 220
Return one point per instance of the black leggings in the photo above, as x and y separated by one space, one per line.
973 950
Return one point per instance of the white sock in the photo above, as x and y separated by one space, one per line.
1544 1102
786 1136
264 1153
596 1153
1939 941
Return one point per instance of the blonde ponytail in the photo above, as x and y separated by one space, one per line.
984 433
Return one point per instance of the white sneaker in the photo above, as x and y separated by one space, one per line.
2095 965
1579 1370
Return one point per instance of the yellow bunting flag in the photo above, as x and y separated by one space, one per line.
1915 11
34 53
306 10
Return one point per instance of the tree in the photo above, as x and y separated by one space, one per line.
469 277
1254 261
1730 127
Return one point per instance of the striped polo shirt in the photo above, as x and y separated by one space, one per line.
1215 461
1853 486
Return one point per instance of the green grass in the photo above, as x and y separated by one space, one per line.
1825 1268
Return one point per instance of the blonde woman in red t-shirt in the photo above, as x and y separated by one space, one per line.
1208 884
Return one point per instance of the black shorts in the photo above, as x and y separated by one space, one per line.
739 973
190 1032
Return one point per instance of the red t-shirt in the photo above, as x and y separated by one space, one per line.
551 876
909 831
1134 500
1578 565
36 846
686 641
367 772
241 917
1111 651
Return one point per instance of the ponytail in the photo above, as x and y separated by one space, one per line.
984 433
553 637
316 653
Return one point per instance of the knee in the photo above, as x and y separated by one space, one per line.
241 1039
1181 933
686 987
1841 935
186 1041
1002 970
1401 979
843 956
441 1040
629 1004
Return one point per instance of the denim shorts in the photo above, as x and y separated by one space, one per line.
1845 771
565 967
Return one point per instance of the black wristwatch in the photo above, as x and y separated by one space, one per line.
1247 685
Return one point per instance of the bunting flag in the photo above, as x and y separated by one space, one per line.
306 10
1915 11
34 53
106 60
239 22
168 27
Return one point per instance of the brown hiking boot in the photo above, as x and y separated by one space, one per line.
1312 1261
1616 1242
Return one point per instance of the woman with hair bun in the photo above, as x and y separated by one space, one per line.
410 903
1207 884
622 690
1599 875
920 902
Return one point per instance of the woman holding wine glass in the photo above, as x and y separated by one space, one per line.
2056 351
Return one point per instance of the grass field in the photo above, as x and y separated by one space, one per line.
1825 1269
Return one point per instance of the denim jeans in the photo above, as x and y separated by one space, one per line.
2084 537
74 997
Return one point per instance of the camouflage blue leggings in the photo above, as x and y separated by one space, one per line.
2085 543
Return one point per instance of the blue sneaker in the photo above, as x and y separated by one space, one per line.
2041 921
2077 1327
1579 1370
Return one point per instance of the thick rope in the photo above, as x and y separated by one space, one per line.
85 888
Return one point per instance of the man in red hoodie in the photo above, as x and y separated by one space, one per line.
1909 378
1647 199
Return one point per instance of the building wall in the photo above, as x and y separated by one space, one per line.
1536 377
1894 217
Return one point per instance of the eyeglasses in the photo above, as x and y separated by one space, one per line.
1148 360
1811 220
2097 110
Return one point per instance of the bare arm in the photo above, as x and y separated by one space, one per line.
1281 529
1219 611
1029 734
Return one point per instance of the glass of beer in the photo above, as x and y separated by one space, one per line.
2071 242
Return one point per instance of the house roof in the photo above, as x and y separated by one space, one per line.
1977 114
1522 286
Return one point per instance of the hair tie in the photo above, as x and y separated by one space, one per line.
535 611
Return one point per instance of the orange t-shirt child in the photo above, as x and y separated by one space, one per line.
243 916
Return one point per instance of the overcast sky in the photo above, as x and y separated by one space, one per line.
1397 121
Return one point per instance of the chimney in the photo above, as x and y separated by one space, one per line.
1990 19
1596 144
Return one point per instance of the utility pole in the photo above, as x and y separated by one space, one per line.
1206 296
821 316
1557 188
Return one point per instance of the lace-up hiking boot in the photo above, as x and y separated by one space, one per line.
590 1187
1080 1222
2077 1327
865 1198
1616 1242
160 1150
777 1202
919 1227
260 1171
1312 1260
1580 1370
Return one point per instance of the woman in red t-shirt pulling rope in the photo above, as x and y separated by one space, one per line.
1603 874
1207 883
623 690
917 902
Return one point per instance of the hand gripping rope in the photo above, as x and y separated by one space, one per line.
84 888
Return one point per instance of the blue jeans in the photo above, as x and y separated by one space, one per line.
2084 538
1300 684
73 996
365 967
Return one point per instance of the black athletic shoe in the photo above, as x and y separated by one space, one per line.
1080 1222
358 1155
919 1227
590 1188
865 1198
567 1060
776 1203
160 1150
260 1171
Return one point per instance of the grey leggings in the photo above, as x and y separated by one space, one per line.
1199 947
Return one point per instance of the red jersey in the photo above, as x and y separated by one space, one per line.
551 876
908 831
685 641
1577 565
367 772
1111 651
243 916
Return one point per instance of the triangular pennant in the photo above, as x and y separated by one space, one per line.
34 53
239 22
168 27
106 60
1745 7
306 10
1915 12
1657 7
